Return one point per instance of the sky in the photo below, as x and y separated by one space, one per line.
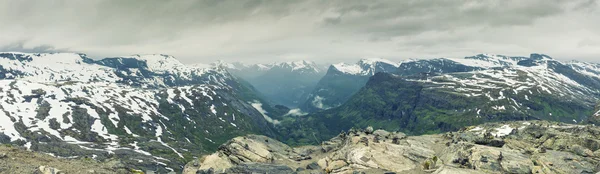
204 31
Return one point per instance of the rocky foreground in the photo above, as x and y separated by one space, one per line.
509 147
19 160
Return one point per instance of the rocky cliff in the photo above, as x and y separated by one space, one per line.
507 147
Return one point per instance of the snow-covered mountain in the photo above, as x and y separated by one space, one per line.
439 95
343 80
150 111
286 83
525 76
514 84
366 67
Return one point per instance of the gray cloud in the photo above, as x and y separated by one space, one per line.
272 30
19 47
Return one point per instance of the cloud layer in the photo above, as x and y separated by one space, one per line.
332 31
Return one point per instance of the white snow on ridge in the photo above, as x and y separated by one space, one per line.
7 127
52 67
589 69
19 99
56 67
475 63
159 62
353 69
298 65
294 66
372 61
364 67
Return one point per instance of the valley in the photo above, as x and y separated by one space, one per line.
151 113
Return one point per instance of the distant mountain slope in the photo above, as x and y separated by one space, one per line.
286 83
595 118
342 81
526 88
150 111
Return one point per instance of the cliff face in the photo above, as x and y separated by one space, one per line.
595 118
508 147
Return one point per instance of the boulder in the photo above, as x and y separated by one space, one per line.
47 170
369 130
382 134
335 165
313 166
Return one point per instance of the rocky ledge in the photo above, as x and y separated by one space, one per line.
507 147
19 160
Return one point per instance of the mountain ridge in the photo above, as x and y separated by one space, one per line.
285 83
341 81
438 95
150 112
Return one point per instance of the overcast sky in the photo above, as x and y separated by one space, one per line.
283 30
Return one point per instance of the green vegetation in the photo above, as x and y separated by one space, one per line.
394 104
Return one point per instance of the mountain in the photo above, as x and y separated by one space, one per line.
342 81
534 88
149 111
506 147
243 70
595 118
286 83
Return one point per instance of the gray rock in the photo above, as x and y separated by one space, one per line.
260 168
208 171
313 166
535 147
397 136
364 140
381 133
369 130
581 151
47 170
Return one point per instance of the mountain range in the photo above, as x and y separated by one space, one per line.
342 81
439 95
287 83
153 113
148 110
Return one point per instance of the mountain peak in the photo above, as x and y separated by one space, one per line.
299 65
158 62
537 56
366 67
377 60
302 65
50 58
